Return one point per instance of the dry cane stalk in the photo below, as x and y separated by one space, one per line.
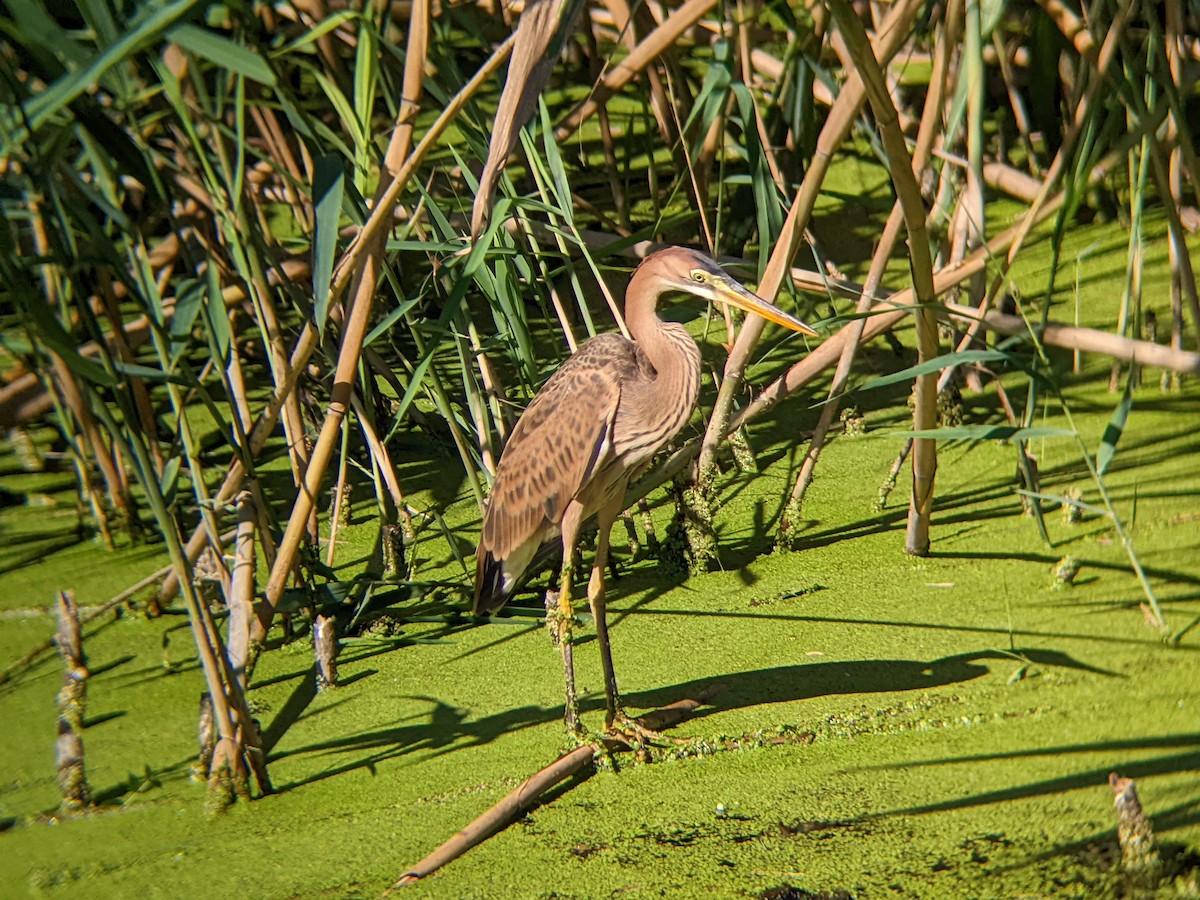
925 137
68 749
908 194
1181 46
241 594
1058 165
531 790
357 318
340 498
496 818
654 45
528 72
383 460
630 24
837 126
72 397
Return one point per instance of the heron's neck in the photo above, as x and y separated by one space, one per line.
667 347
641 315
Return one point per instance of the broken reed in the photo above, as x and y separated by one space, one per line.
71 703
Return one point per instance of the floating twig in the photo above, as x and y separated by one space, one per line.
507 810
532 789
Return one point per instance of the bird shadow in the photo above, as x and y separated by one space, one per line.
807 681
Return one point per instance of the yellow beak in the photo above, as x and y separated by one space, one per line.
735 295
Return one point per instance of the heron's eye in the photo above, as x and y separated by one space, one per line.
698 276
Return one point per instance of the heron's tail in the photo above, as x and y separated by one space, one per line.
490 594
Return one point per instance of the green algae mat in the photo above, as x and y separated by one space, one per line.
882 726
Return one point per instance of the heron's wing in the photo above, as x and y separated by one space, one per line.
558 444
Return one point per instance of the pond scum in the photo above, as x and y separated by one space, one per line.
274 283
881 725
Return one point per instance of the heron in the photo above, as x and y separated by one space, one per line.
594 426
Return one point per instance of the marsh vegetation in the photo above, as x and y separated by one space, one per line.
275 282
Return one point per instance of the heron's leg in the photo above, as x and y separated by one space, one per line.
561 619
615 721
612 699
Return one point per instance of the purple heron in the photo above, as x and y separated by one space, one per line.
594 425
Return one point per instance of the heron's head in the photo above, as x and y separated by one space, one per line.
692 272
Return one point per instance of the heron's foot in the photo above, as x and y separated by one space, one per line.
629 730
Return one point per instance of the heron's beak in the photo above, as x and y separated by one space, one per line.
735 295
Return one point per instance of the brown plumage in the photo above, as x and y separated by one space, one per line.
593 426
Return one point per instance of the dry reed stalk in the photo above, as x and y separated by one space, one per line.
1176 275
137 386
837 126
211 661
240 599
1015 102
476 402
1170 189
71 700
1088 340
1073 28
1181 82
1181 77
382 213
926 135
632 23
493 386
397 160
79 461
293 419
495 819
771 69
239 748
383 460
657 42
972 201
280 151
529 71
62 383
65 387
1016 184
338 511
237 384
1075 128
908 192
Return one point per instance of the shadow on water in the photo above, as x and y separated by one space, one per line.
447 728
1097 778
806 681
443 729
